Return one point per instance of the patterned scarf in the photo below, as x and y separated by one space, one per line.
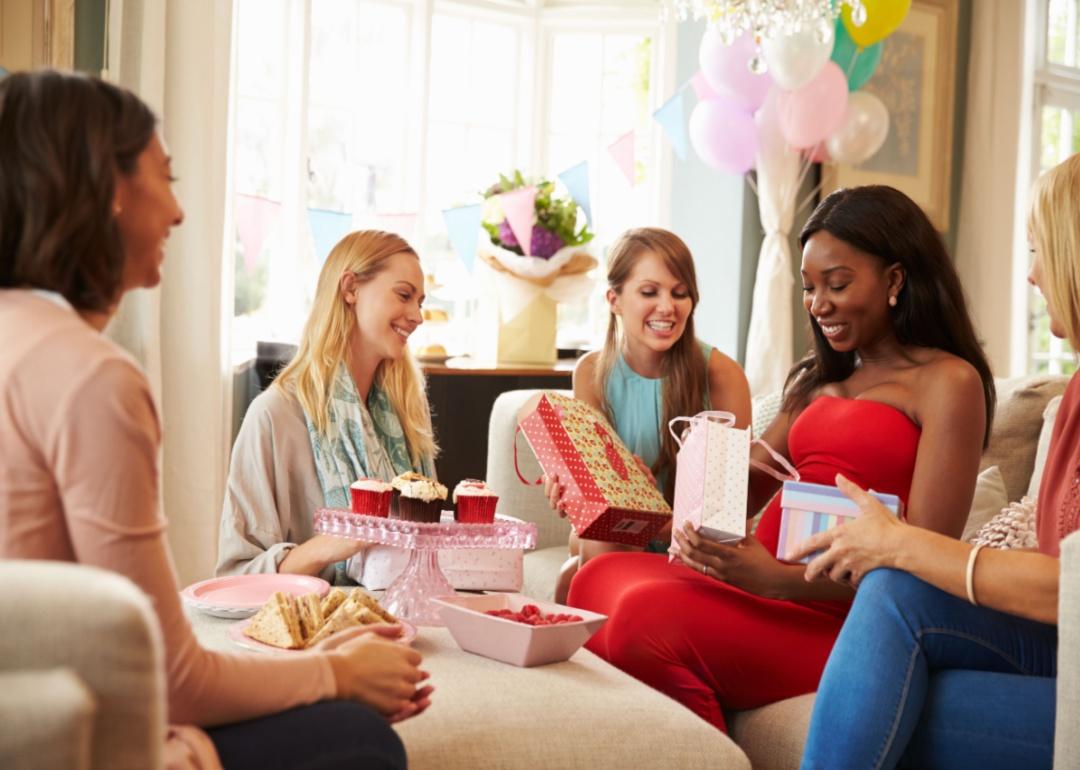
361 441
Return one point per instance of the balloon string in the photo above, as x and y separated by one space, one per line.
855 58
809 197
751 180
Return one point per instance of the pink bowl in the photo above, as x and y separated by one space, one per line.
509 641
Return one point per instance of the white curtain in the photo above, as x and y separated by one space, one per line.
769 340
994 180
176 55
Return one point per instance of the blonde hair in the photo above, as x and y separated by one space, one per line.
684 370
1054 225
309 377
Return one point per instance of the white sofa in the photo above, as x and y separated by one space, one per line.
771 736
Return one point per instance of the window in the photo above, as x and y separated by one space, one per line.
383 113
1057 136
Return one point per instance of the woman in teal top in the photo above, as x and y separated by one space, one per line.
651 368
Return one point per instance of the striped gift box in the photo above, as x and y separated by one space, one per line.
808 509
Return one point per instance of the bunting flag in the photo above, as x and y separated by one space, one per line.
701 86
576 179
670 116
254 218
519 206
463 226
622 150
327 228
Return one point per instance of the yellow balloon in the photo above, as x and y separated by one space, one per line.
882 19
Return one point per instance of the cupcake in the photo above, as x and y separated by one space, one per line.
474 503
417 497
371 497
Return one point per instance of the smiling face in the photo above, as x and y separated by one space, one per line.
654 305
846 291
146 210
387 307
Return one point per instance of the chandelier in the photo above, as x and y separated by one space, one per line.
764 18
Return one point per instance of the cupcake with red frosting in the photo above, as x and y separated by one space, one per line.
371 497
417 498
474 502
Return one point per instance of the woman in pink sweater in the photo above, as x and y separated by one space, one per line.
85 207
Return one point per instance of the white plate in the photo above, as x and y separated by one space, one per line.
240 596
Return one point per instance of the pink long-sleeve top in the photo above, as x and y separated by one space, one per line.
79 441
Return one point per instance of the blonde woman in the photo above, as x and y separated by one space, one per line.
955 650
652 367
351 404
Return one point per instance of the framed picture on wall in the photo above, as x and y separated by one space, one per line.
916 81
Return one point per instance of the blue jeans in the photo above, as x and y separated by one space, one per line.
323 736
920 678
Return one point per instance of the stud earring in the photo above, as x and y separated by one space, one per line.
892 300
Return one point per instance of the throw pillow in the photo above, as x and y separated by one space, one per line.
1049 416
990 498
1014 527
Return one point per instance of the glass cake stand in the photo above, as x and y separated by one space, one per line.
409 596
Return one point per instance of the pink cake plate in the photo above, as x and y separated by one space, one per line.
409 596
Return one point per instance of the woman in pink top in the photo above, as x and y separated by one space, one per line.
85 207
949 656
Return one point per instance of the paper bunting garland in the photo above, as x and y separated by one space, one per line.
327 228
576 179
671 117
622 150
255 217
519 208
463 227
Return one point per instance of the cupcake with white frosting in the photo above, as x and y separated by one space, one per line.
417 498
474 502
371 497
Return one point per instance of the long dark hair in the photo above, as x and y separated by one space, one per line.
63 139
930 308
684 369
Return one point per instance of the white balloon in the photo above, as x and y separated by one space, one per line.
864 131
796 59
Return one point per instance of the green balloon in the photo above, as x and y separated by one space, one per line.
858 64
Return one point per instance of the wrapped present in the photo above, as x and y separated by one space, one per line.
808 509
712 471
607 496
467 569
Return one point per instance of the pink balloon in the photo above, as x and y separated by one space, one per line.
727 68
811 114
818 153
724 135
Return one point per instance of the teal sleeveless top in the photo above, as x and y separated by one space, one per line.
637 405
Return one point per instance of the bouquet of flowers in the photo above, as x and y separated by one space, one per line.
556 218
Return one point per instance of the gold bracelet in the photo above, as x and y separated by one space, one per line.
970 581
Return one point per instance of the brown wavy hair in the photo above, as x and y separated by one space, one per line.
684 370
64 137
930 310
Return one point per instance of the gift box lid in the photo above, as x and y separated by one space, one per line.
820 498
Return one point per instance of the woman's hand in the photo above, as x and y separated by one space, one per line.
373 669
318 553
746 564
854 548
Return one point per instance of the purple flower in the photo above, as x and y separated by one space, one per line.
544 242
506 235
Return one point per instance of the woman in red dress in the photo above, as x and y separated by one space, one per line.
896 395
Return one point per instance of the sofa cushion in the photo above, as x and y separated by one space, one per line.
988 501
1017 424
773 736
1043 448
542 571
46 719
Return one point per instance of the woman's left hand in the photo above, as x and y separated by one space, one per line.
746 564
854 548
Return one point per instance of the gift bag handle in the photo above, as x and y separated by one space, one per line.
792 474
727 419
517 469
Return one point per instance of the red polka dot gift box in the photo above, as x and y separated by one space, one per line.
607 496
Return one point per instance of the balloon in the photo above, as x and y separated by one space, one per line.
727 68
865 127
882 19
796 59
857 63
818 153
816 110
723 134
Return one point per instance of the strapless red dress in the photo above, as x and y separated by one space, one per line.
712 646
